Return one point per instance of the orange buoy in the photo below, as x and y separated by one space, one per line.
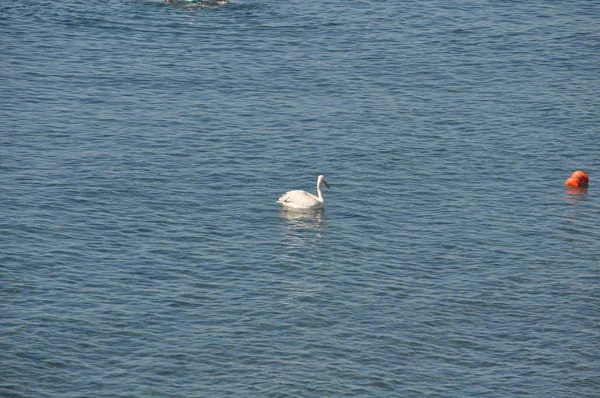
578 179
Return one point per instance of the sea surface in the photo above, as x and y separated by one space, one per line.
143 146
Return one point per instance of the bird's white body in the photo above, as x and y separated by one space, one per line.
304 200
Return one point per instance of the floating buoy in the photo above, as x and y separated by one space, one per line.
578 179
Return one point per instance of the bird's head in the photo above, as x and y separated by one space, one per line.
322 180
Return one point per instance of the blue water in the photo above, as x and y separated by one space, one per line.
143 146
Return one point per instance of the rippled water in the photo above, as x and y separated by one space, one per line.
143 146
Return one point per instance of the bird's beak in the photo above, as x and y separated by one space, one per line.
327 185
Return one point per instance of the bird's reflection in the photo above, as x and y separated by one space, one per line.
302 227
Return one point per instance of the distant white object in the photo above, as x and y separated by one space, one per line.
304 200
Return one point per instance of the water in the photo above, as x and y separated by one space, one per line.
143 146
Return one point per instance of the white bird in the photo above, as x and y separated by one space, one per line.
304 200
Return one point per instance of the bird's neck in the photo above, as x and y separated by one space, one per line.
320 193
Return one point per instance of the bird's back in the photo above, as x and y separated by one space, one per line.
300 200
